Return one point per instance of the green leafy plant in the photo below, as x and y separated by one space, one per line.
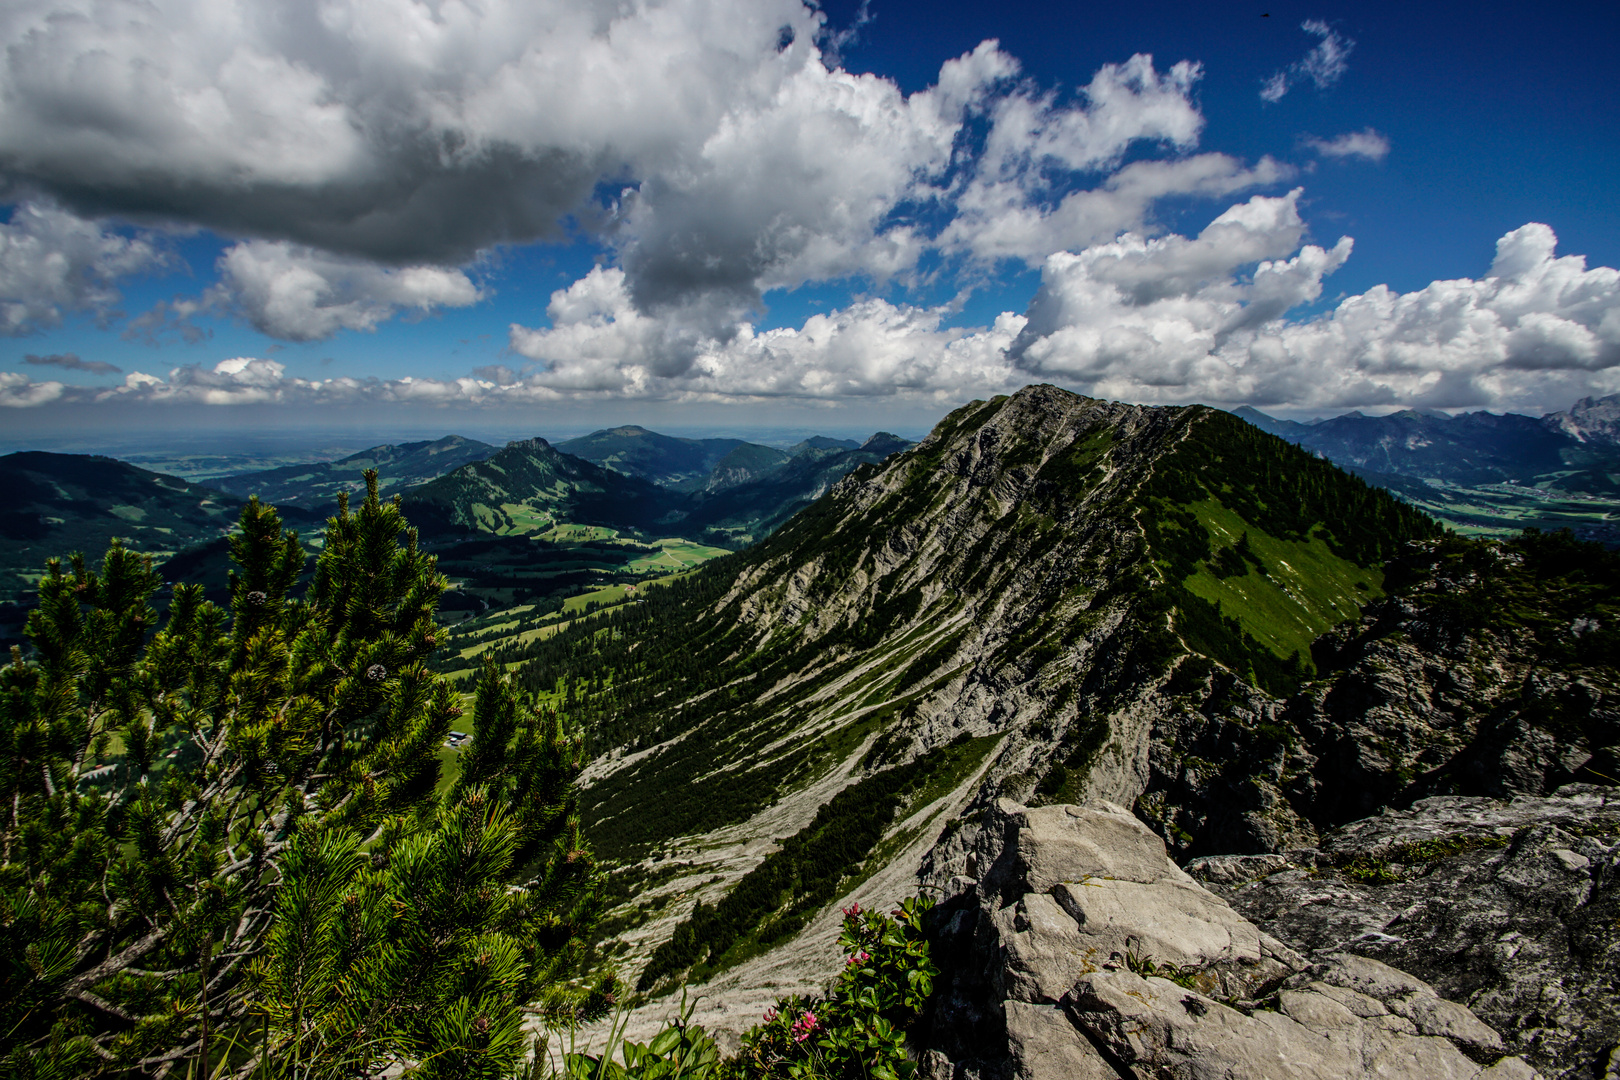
680 1050
858 1029
1148 968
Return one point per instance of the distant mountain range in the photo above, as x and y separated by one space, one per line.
668 461
1482 471
741 510
531 485
683 466
718 492
746 493
399 468
1571 450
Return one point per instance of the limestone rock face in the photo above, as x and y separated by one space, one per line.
1511 907
1083 951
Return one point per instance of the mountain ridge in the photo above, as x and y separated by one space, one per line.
1027 606
400 466
991 584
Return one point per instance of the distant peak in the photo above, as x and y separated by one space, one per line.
535 443
824 442
886 442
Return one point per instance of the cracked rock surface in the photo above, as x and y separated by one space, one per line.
1510 907
1084 952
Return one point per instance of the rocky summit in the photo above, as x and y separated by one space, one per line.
1511 906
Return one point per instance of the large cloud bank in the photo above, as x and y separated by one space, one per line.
1165 319
711 144
364 156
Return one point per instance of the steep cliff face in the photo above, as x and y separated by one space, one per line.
1489 672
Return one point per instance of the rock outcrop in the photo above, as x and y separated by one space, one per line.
1082 951
1510 907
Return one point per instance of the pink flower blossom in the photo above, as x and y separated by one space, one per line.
851 911
803 1026
859 958
770 1015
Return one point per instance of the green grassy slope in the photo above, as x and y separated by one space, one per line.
1263 546
552 487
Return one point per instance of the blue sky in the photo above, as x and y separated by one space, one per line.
735 213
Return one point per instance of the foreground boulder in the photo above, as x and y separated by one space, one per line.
1082 951
1510 906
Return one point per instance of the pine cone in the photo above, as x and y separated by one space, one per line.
376 673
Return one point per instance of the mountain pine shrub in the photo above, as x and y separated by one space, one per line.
224 848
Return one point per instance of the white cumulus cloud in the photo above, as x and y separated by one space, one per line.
53 262
1152 319
1165 320
300 294
600 343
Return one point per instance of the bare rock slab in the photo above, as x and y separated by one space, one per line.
1101 958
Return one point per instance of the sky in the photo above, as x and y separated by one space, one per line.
548 215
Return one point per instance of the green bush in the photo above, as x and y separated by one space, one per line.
857 1031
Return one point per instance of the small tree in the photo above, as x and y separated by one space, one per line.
227 834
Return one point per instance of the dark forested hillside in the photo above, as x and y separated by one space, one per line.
52 505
